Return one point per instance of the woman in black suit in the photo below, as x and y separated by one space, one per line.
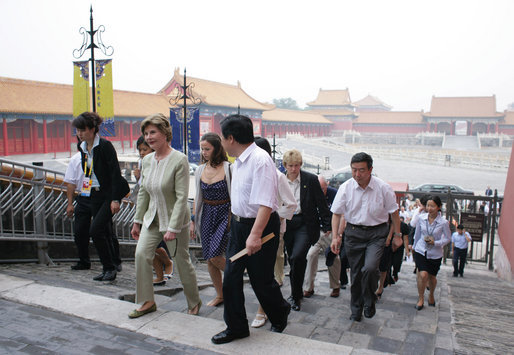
104 186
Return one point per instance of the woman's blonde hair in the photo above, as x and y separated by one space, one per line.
161 122
292 157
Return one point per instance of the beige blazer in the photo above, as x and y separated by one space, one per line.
163 193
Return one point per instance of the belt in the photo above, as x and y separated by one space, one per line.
215 202
366 228
244 220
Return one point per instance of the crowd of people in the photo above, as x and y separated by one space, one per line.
358 226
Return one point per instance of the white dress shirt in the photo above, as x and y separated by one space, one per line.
295 187
439 229
254 182
460 241
367 207
74 173
286 200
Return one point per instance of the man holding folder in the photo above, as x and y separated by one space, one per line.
254 202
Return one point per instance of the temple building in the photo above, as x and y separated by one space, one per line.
463 115
336 106
371 103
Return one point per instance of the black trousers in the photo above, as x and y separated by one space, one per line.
459 260
260 267
99 230
81 226
344 265
398 260
298 243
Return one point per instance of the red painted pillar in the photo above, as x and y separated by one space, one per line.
45 139
131 134
5 139
33 136
452 126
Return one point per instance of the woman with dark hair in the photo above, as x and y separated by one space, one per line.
432 234
212 209
104 186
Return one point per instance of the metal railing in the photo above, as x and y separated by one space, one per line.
33 206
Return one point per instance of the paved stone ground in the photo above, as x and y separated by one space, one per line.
473 314
31 330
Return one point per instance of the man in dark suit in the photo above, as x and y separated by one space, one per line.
303 229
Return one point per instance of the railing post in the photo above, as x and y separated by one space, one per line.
39 219
492 225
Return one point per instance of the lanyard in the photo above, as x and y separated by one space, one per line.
85 166
430 232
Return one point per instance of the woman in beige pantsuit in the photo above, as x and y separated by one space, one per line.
162 214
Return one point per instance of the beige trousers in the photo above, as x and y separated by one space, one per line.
179 250
334 271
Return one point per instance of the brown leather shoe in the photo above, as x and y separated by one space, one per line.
308 294
335 293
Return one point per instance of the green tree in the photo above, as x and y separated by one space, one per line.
287 103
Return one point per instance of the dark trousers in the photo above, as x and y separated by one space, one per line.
99 229
398 260
81 228
344 265
459 260
260 268
298 243
364 249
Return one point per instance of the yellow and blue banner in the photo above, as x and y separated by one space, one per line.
104 97
193 132
80 87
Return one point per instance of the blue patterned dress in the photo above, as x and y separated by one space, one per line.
215 218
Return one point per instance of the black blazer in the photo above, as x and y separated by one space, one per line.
107 171
315 212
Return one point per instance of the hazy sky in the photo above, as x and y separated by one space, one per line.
400 51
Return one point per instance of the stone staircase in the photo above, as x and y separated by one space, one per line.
461 142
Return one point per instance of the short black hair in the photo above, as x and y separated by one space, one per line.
141 140
89 120
423 199
238 126
362 157
460 226
263 143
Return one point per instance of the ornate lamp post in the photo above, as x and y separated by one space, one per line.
180 101
77 53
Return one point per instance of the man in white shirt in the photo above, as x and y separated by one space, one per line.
460 241
254 202
365 203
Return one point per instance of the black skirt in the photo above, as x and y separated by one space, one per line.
431 266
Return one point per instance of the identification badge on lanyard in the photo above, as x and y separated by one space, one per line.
86 187
87 181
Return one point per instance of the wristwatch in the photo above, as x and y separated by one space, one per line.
397 234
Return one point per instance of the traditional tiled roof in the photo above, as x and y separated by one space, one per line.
215 94
332 98
296 116
478 106
334 112
509 118
36 97
371 101
390 117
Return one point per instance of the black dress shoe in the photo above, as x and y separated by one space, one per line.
370 311
431 304
227 336
80 266
99 277
279 327
295 304
356 317
119 268
419 308
109 275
